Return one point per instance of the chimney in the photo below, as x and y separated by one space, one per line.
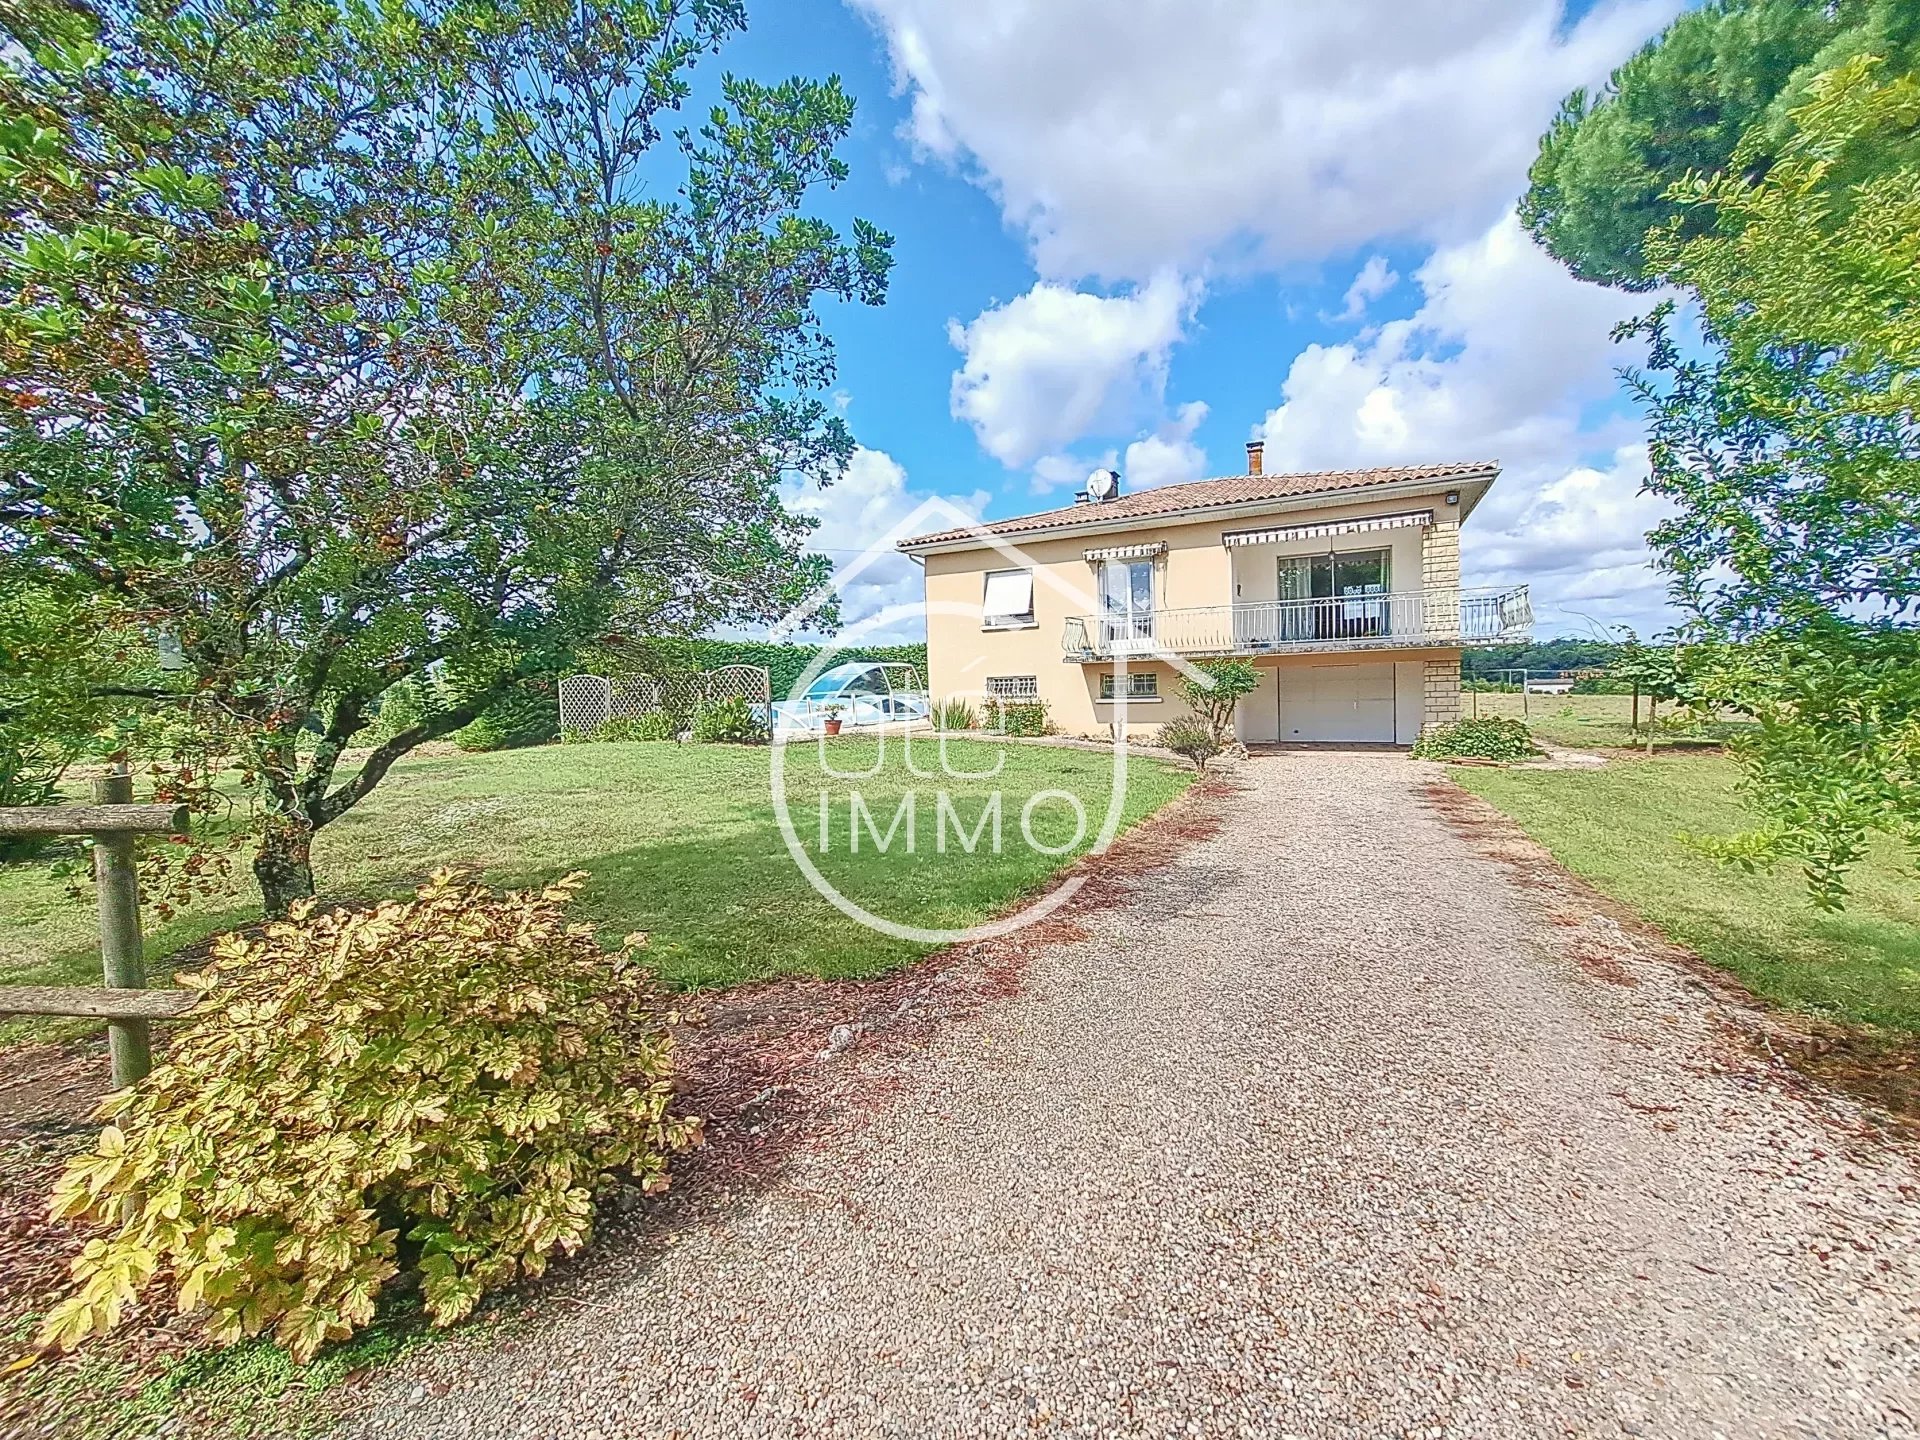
1256 450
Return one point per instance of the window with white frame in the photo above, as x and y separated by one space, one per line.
1008 599
1013 687
1141 685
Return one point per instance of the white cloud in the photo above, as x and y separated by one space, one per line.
1168 456
1055 363
1375 279
1499 359
1064 470
1170 133
1165 455
1579 540
867 502
1503 360
1170 138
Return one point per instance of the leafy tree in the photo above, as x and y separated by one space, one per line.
1791 450
52 653
1216 692
353 343
1722 77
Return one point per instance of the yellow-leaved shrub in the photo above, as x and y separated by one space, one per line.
443 1083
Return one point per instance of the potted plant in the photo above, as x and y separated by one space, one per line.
833 714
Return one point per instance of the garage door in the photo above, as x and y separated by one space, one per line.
1337 702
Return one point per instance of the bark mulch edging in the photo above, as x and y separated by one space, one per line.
1874 1069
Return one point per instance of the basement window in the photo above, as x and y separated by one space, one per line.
1141 685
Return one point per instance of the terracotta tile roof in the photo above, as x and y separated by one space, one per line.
1201 495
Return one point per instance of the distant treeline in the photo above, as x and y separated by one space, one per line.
1487 661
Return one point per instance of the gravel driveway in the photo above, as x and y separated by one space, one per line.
1332 1126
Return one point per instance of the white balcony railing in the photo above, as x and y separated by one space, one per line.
1348 622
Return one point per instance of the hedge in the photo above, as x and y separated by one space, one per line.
784 664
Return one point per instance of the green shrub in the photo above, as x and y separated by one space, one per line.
729 722
1193 738
784 664
954 713
402 707
441 1084
654 725
1016 717
1489 737
517 719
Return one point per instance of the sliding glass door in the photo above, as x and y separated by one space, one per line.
1347 590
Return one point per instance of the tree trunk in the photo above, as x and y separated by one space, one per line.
283 865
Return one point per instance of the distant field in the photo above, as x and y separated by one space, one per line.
1600 722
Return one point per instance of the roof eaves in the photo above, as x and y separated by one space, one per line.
1417 478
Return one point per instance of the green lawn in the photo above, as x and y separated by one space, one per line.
1599 722
1619 828
679 841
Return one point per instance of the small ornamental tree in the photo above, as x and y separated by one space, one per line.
442 1085
1215 696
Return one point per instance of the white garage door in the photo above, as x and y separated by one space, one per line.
1337 702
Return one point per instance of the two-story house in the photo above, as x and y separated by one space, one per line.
1342 587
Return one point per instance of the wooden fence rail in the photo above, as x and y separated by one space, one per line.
103 1004
94 819
113 820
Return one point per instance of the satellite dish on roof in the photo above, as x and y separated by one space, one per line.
1103 484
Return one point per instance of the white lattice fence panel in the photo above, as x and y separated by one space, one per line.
744 682
586 702
634 696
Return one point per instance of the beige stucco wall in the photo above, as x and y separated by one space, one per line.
1195 570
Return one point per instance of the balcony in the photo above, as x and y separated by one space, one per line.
1444 618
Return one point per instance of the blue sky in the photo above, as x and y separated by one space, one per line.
1143 234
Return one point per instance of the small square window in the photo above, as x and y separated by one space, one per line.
1141 685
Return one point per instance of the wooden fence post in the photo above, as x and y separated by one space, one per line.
122 955
125 1003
